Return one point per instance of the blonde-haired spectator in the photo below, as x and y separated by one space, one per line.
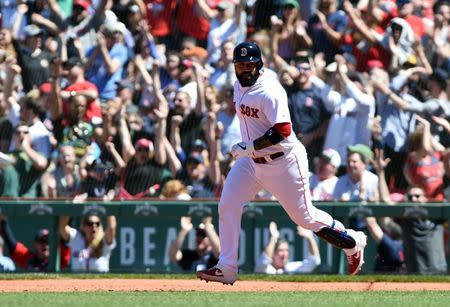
175 189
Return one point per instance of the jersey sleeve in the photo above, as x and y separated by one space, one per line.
275 106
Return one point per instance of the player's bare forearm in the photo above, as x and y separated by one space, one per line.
270 248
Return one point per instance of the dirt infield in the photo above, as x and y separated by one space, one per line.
161 285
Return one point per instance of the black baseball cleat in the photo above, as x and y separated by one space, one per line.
216 274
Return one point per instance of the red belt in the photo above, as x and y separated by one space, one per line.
264 160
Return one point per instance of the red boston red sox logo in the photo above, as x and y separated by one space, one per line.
250 112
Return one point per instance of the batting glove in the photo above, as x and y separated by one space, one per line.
243 149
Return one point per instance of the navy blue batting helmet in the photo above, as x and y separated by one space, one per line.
248 52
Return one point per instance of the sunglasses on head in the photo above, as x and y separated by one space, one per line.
91 223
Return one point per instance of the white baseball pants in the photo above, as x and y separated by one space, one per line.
286 178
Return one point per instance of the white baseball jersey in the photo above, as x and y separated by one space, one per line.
261 106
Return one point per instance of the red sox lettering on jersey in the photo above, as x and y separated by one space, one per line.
259 109
247 111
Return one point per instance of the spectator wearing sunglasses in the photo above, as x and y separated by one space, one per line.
91 244
309 115
423 238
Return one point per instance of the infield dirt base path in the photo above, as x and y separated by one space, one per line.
162 285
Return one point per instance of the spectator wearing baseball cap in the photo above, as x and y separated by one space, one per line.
99 182
106 61
364 150
83 4
32 30
78 85
197 176
323 181
37 259
34 61
358 184
207 246
143 176
125 90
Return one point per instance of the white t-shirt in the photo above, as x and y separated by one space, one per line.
264 265
82 260
40 138
322 190
347 190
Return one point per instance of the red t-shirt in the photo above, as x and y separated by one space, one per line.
374 52
428 173
93 107
190 21
160 16
27 260
416 24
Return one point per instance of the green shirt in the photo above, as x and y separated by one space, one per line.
66 7
20 179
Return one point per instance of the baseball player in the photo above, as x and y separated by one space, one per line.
269 157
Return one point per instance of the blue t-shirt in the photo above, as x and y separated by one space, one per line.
338 22
307 110
390 257
97 74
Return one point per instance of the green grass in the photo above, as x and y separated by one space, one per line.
291 278
197 299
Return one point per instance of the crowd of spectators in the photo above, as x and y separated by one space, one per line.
123 100
130 99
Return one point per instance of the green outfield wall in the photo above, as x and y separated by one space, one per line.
146 229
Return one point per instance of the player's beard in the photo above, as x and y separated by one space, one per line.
247 79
